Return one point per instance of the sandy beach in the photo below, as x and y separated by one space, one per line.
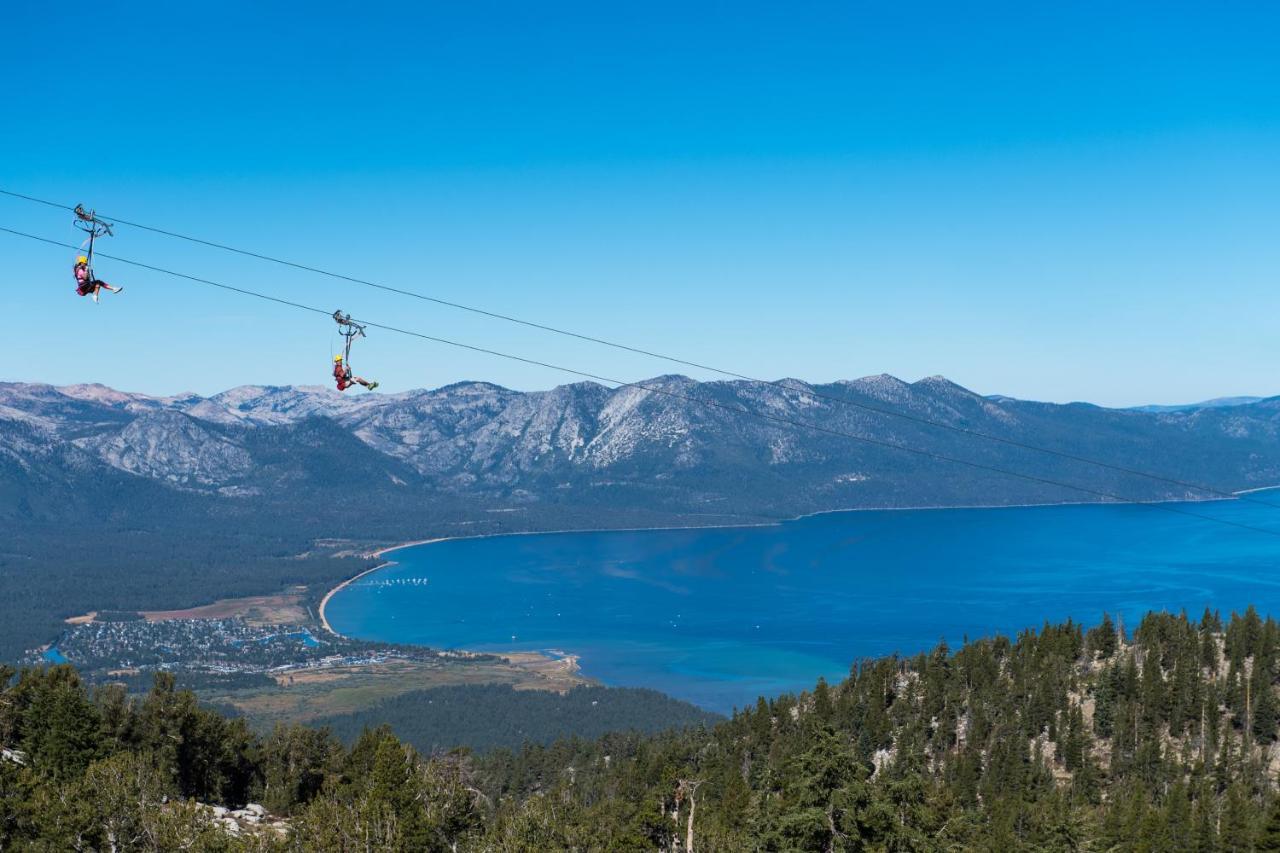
324 621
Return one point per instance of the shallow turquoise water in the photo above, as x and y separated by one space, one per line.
721 616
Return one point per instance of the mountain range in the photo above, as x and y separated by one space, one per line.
674 446
1216 402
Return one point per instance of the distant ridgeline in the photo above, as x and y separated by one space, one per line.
1059 739
126 502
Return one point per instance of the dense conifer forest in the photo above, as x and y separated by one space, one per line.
1160 738
484 717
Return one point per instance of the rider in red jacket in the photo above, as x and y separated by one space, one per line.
344 379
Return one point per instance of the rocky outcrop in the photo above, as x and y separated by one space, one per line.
250 820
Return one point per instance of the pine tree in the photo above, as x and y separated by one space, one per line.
1269 838
1105 698
1265 715
1102 639
1209 651
60 728
1177 818
1204 838
823 709
1237 829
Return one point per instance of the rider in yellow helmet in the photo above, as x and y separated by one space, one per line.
86 284
343 377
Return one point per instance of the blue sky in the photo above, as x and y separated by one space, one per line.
1065 204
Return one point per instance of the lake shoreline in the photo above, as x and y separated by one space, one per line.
744 525
324 621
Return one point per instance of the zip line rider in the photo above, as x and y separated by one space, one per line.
344 378
342 375
87 284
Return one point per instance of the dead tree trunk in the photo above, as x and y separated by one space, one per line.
688 789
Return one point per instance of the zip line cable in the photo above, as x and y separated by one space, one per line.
779 383
618 383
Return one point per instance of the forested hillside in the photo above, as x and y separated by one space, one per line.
1060 739
483 717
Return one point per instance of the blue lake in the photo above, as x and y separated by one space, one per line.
720 616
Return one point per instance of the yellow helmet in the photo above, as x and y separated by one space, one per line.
337 358
82 260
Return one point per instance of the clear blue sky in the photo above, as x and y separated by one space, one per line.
1078 203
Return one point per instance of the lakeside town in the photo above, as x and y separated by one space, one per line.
219 646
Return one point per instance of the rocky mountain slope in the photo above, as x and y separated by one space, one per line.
683 451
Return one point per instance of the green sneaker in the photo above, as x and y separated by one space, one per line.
373 385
